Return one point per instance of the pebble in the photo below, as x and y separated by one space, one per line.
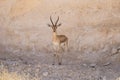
118 78
85 65
106 64
68 79
114 50
45 74
93 65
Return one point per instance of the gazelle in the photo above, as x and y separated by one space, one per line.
57 41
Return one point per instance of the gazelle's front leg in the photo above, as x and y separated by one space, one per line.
59 55
66 45
54 54
54 58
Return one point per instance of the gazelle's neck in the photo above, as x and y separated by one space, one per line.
54 35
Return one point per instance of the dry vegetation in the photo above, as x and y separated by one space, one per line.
5 75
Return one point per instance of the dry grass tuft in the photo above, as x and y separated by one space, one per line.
5 75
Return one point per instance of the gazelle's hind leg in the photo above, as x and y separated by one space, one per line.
59 57
66 45
55 48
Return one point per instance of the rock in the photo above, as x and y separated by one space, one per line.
114 50
118 78
104 78
45 74
85 65
68 79
106 64
93 65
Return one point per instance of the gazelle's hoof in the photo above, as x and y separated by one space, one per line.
60 64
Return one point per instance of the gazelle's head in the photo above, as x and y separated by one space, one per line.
55 25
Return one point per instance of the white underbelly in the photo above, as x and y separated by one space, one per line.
55 44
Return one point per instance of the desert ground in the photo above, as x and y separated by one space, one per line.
92 28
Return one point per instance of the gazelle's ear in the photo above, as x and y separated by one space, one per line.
59 25
49 25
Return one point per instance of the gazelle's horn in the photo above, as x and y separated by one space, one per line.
57 21
51 20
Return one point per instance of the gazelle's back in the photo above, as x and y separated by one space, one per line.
62 38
